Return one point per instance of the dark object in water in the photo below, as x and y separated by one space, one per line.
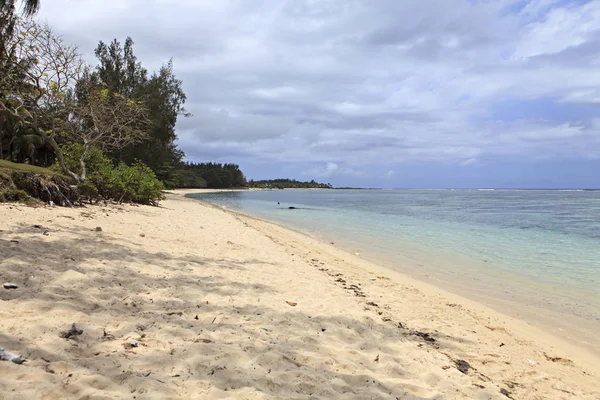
72 332
292 208
463 366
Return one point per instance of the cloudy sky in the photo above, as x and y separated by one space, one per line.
386 93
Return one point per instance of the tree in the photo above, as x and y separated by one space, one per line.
59 101
162 93
30 7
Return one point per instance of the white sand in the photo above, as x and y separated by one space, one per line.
236 274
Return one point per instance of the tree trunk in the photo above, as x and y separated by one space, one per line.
59 154
82 160
10 149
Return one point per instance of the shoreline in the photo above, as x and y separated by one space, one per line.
575 330
222 305
495 305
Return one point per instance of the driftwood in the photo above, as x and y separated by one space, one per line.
72 332
6 356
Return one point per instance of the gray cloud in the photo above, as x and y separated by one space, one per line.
361 82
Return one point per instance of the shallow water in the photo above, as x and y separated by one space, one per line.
535 248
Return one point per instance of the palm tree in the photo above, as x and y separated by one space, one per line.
30 7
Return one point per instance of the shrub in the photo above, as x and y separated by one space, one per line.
139 184
136 183
15 195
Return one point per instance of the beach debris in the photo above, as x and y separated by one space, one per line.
371 303
196 318
107 335
130 345
372 279
386 319
38 226
502 344
72 332
292 303
558 360
425 336
6 356
376 358
505 392
51 203
9 285
323 329
14 241
142 235
98 229
48 369
45 233
462 366
532 363
175 313
265 329
199 340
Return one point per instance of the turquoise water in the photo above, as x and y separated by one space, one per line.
535 247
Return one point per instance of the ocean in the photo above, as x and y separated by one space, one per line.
532 254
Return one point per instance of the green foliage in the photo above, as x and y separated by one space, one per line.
162 95
288 184
95 162
138 184
15 195
209 175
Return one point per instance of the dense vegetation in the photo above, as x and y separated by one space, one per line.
288 184
109 128
209 175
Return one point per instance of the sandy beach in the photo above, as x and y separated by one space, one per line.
187 300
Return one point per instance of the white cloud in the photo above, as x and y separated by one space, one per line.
331 169
469 161
364 82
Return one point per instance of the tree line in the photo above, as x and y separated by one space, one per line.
287 184
210 175
56 110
